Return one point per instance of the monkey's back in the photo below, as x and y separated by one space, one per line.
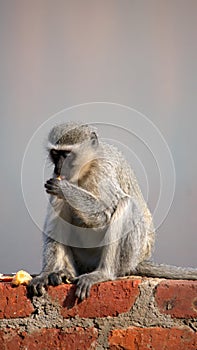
122 171
129 185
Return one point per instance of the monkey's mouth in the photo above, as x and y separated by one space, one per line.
60 177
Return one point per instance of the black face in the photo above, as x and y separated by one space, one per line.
62 160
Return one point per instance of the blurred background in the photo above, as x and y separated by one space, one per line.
57 54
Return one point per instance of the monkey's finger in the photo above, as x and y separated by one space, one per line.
55 279
40 289
32 290
85 291
35 289
37 285
78 292
53 182
83 288
50 192
51 186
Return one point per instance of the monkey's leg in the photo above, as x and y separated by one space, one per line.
121 239
57 267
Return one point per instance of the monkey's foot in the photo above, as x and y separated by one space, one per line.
37 285
59 277
85 282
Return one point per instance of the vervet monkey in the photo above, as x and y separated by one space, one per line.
93 188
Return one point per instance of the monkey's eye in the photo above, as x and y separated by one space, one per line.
54 154
65 153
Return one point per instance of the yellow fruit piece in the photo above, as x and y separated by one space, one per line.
60 177
21 277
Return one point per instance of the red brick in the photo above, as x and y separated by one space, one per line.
153 338
9 340
106 299
177 298
49 339
14 302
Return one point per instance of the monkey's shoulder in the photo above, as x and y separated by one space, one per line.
116 165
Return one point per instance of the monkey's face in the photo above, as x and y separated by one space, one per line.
73 161
63 162
71 149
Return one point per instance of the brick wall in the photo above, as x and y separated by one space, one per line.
131 313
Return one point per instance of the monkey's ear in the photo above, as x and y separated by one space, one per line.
94 139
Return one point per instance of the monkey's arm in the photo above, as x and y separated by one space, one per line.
91 209
57 267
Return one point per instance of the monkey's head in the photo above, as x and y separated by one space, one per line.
72 148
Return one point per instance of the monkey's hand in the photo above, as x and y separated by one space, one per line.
59 277
54 187
85 282
37 285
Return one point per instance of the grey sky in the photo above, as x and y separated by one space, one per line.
56 54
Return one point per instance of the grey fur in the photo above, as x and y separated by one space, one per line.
100 194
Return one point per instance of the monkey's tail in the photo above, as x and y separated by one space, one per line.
151 269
